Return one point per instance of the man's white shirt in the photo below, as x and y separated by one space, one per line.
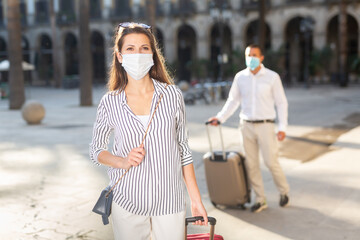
258 95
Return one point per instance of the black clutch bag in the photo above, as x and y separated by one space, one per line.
103 204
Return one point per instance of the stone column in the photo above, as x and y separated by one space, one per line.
170 40
319 32
60 45
237 25
201 5
277 29
202 41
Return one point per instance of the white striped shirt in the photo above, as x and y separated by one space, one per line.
156 186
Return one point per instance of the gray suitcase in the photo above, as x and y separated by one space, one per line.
226 176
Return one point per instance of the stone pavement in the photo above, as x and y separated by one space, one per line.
48 184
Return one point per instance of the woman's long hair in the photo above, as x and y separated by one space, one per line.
117 74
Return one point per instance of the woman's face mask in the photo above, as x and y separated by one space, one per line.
137 65
252 62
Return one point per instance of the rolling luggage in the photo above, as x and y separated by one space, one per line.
226 176
202 236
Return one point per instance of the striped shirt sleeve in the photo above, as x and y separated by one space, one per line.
101 133
181 130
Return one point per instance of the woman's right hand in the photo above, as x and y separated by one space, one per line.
135 157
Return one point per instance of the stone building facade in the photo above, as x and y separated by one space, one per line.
190 36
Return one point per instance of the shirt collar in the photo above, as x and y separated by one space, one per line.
159 88
260 72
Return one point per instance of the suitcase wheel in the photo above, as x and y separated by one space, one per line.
242 206
214 204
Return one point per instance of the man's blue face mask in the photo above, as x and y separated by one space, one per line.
252 62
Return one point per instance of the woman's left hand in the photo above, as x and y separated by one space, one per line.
198 209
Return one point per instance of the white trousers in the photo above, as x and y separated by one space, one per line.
261 136
128 226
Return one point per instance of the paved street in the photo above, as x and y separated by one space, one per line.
48 184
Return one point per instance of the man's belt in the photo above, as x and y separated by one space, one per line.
260 121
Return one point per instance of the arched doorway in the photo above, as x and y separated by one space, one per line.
71 55
43 59
26 57
3 56
352 45
25 49
98 57
186 52
3 49
296 43
252 34
160 40
220 43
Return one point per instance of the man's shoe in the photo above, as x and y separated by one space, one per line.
258 207
284 200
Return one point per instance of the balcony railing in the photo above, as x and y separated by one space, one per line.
186 8
66 17
252 5
41 17
297 1
121 13
95 12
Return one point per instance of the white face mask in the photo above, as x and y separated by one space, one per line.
137 65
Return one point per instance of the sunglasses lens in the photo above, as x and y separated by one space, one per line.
128 24
144 25
124 24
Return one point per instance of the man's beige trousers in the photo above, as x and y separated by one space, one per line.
262 136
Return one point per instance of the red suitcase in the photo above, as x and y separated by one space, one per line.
202 236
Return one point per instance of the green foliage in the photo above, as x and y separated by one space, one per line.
198 68
355 65
236 63
320 60
274 60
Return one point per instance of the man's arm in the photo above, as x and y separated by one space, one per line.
232 103
281 104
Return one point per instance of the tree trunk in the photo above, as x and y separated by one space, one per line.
55 49
16 74
261 26
151 14
85 55
342 44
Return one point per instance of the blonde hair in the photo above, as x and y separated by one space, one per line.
117 74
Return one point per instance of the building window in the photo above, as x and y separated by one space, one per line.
186 7
297 1
66 12
122 9
41 11
23 15
95 9
1 14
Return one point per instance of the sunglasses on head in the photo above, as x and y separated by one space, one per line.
132 24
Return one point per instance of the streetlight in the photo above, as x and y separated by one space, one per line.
306 27
220 12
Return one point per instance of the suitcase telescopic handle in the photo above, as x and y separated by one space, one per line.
221 139
211 220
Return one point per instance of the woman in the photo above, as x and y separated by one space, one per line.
149 200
